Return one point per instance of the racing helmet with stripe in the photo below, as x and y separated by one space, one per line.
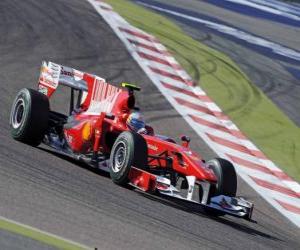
135 121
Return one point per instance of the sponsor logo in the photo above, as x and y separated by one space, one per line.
153 147
49 75
48 82
188 152
195 158
66 72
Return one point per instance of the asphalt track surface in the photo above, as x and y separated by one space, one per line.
10 241
59 196
273 76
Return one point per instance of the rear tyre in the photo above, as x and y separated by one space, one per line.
226 182
29 116
129 149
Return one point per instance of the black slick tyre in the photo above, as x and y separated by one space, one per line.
226 182
29 116
226 176
129 149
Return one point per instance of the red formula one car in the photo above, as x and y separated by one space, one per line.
98 131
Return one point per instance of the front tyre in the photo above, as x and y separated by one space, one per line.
226 182
29 116
226 177
129 149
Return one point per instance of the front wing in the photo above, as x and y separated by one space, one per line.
234 206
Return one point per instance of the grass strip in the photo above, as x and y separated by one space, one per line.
38 235
248 107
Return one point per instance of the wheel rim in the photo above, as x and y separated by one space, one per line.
119 157
18 113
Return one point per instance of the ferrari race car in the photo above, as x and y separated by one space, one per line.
96 132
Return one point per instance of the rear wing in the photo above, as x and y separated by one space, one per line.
52 75
94 94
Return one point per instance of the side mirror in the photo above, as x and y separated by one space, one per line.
185 141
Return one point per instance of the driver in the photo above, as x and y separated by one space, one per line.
136 123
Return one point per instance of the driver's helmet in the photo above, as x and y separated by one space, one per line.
135 121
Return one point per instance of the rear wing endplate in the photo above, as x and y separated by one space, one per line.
52 75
